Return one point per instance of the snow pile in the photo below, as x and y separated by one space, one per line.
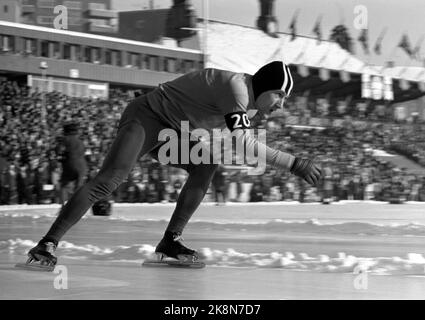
18 246
25 215
89 251
413 263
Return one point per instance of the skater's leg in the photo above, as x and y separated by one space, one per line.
191 195
117 164
193 191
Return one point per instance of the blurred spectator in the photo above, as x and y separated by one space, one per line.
175 191
74 166
218 183
129 191
10 185
256 194
25 185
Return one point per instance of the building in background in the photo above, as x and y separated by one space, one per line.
83 16
82 64
143 25
159 21
11 10
175 25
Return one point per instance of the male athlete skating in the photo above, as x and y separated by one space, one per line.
208 99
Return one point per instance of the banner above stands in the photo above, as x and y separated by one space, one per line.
245 49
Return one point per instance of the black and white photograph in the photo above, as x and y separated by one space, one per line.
212 155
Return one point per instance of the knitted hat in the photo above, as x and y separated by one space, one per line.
272 76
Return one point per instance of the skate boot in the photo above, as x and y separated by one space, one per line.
41 257
171 246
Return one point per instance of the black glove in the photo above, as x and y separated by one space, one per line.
306 169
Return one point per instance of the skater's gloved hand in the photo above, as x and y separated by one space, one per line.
306 169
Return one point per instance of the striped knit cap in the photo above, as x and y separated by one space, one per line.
273 76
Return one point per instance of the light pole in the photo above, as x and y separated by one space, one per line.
205 9
204 30
44 67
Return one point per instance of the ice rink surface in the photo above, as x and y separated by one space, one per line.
274 251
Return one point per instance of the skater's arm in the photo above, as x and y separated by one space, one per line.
233 102
273 157
240 129
304 168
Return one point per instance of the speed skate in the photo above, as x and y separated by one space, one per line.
34 265
183 261
171 251
40 258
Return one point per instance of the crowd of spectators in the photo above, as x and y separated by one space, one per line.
410 143
329 108
351 171
31 122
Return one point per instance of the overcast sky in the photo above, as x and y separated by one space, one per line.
398 16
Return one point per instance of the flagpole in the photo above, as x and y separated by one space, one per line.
378 44
391 55
316 29
364 39
368 52
417 48
205 9
409 55
292 26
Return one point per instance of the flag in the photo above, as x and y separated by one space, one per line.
364 40
317 30
378 44
405 45
293 26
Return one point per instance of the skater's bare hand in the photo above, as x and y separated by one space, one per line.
306 169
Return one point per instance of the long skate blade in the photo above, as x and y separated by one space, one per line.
35 265
173 263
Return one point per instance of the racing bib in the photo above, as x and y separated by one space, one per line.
237 120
